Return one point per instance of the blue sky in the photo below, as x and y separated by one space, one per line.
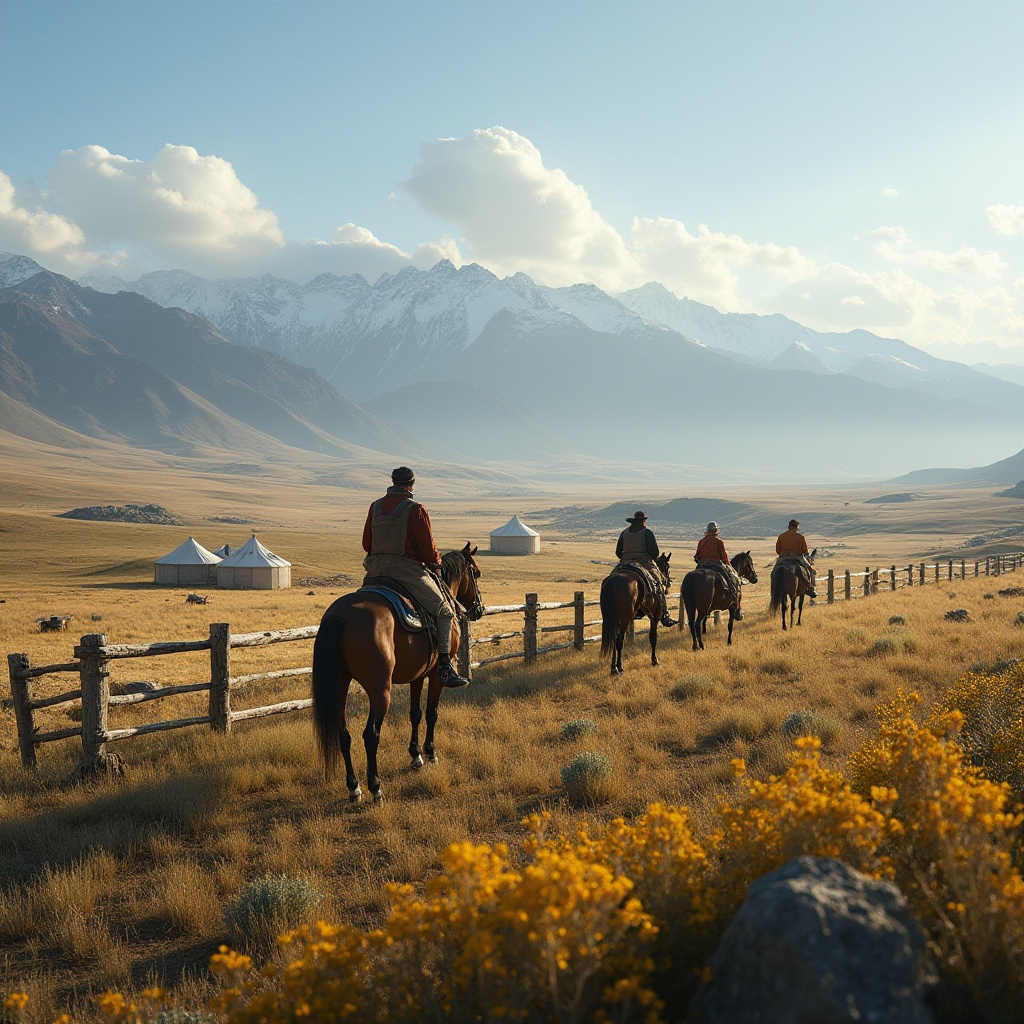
849 165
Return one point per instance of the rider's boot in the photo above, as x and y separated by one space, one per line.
446 673
735 611
811 592
666 619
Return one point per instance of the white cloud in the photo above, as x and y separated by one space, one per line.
889 192
1007 220
897 248
513 213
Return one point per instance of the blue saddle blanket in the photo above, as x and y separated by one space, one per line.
407 615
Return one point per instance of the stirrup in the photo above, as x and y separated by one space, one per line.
446 674
736 612
667 620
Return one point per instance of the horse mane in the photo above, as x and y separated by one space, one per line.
452 566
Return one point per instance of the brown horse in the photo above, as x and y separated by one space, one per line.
623 599
704 591
788 582
359 639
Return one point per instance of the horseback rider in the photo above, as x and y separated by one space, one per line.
791 546
399 545
711 553
638 546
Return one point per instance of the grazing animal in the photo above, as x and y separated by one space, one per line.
623 599
195 599
704 591
360 638
788 583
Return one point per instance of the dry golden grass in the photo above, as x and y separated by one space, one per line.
125 883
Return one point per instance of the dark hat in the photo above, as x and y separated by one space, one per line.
638 518
403 477
793 522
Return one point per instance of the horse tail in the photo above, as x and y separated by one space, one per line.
609 619
778 598
328 670
689 597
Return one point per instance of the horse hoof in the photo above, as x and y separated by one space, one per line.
417 762
433 758
378 797
355 795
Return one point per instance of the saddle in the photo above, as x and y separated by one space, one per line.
408 613
719 570
644 578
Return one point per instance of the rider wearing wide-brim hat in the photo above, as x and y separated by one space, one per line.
638 546
791 546
399 544
711 554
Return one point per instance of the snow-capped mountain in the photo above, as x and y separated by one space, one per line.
14 269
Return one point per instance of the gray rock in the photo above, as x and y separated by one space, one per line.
817 942
139 686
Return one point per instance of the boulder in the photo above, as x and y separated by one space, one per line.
817 942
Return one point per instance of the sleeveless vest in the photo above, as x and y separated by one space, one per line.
390 529
634 543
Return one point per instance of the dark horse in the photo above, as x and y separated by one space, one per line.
359 639
624 599
704 591
788 582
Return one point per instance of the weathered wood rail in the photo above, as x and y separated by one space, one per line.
94 654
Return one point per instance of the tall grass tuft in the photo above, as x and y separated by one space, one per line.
806 722
578 727
696 684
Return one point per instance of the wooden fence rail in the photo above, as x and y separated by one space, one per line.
93 655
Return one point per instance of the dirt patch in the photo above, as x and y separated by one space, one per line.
340 580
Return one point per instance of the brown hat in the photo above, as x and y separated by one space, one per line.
403 477
638 518
793 523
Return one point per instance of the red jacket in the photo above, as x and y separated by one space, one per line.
711 547
419 538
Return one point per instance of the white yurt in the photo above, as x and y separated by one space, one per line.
188 565
515 538
224 550
253 567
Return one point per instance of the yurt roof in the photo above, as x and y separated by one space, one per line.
189 552
224 550
514 528
252 554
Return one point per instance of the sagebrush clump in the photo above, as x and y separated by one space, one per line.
269 906
590 778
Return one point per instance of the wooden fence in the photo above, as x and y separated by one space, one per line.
94 654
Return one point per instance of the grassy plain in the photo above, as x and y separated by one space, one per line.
125 883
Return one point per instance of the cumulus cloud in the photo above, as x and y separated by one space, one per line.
1007 219
889 192
706 266
513 213
897 247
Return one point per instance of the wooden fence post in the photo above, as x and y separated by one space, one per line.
936 570
717 617
831 586
922 573
579 619
21 693
465 644
220 677
949 573
892 577
95 678
874 581
530 630
847 592
988 560
910 575
867 580
999 565
963 569
977 568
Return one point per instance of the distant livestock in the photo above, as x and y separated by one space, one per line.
54 623
195 599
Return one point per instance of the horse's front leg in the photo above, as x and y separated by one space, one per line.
433 699
653 637
728 641
800 612
415 716
379 704
783 613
